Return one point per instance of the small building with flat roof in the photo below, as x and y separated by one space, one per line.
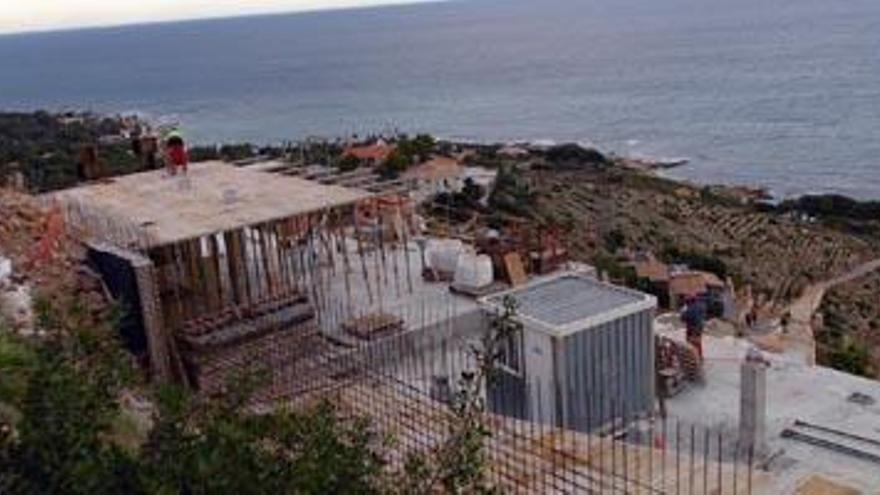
585 353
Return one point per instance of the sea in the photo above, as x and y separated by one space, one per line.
783 94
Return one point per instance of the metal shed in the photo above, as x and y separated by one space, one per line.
585 356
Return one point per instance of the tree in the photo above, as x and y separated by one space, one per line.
348 163
417 148
47 146
59 444
60 427
217 447
395 164
512 195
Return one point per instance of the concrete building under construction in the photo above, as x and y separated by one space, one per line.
223 267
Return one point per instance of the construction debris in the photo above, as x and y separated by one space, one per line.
39 260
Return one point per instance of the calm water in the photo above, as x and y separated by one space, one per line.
782 93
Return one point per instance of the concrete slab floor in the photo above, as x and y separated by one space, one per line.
795 391
428 305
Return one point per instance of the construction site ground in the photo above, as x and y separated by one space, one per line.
796 391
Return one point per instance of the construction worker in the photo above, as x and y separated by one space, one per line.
176 155
694 317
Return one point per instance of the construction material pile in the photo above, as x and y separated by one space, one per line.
42 262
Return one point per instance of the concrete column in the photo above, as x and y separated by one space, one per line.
753 403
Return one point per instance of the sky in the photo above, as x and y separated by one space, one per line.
41 15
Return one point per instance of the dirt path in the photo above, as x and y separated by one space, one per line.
799 335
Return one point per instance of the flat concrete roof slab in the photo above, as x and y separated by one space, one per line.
213 197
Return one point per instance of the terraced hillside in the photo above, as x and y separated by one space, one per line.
777 254
850 335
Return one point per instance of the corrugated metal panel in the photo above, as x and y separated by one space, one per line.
609 371
601 366
507 394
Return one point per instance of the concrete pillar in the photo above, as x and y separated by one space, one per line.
753 403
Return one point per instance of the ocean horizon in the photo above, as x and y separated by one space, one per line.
781 94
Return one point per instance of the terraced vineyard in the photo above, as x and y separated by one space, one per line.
777 254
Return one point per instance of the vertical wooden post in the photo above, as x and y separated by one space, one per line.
211 276
252 264
268 268
198 286
177 284
281 253
234 259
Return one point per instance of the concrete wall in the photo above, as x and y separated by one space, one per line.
149 307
